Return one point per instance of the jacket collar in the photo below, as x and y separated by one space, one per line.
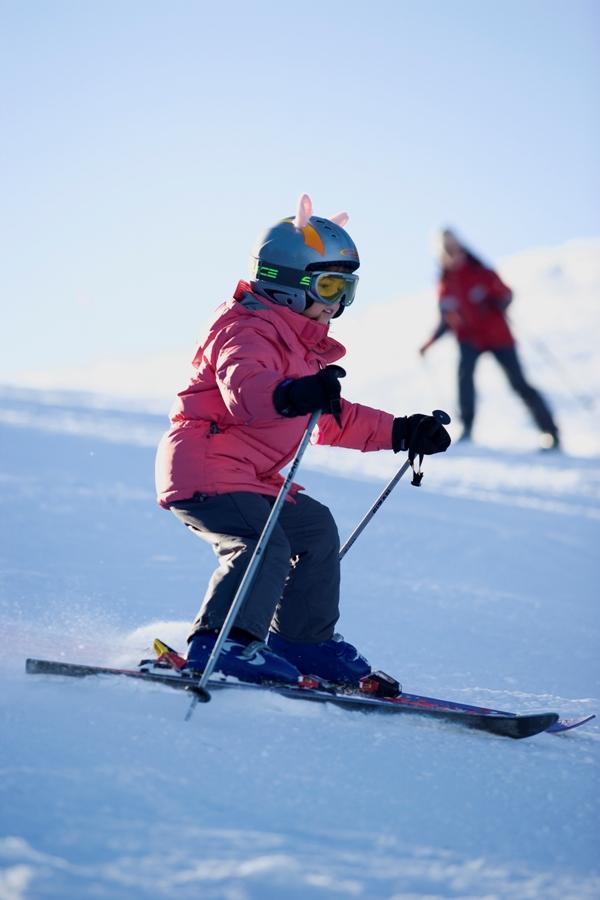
311 333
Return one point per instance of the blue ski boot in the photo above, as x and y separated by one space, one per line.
335 660
244 658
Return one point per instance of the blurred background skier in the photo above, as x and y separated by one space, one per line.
264 367
473 301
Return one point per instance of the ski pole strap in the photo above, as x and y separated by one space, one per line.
417 475
412 455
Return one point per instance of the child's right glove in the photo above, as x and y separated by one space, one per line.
300 396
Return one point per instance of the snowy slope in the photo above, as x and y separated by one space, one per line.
481 585
465 590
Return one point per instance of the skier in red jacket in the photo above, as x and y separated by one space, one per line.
473 302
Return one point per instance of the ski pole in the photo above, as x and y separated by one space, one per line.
587 402
442 417
367 518
199 690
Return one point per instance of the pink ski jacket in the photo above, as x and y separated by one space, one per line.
226 434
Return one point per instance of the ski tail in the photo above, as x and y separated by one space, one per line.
168 656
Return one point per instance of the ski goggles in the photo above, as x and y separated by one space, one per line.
322 287
331 287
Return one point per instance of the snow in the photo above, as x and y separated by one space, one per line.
480 586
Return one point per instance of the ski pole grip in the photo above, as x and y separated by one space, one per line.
335 403
442 416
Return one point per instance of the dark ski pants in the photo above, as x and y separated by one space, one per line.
296 588
511 366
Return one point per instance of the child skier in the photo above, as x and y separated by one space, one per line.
264 367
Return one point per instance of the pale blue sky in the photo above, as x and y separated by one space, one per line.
146 144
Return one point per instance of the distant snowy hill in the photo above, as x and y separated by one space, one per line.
556 316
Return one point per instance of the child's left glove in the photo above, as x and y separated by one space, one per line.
421 435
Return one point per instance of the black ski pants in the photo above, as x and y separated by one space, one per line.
296 588
509 361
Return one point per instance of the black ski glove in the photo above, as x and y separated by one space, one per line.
299 396
419 434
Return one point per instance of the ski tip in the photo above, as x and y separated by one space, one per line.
521 726
569 724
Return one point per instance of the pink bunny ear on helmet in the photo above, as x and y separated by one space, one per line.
340 219
304 212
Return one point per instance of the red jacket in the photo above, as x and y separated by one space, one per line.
226 434
472 303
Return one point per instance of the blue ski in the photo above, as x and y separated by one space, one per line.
483 718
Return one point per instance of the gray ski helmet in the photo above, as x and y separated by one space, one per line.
285 253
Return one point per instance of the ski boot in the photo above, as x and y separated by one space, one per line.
335 660
248 660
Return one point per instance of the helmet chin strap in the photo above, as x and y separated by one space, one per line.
310 302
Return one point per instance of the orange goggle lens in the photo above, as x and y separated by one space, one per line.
333 287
